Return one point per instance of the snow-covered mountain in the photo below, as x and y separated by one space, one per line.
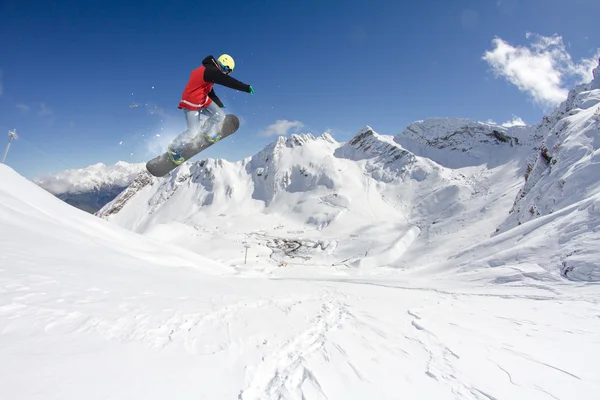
92 187
440 182
337 198
477 142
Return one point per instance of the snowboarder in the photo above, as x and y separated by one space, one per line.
199 98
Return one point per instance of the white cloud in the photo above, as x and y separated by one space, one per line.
23 107
516 121
45 110
544 69
281 127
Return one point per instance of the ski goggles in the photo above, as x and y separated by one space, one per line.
225 68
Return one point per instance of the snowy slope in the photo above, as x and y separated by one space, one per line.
91 188
561 195
89 310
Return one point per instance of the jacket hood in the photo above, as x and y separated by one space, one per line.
209 60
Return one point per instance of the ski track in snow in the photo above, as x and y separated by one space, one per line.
358 333
282 372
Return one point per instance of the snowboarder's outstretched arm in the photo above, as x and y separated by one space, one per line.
213 96
216 76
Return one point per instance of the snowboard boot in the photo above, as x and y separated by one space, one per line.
213 138
175 156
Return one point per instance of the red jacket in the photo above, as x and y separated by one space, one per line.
195 94
199 93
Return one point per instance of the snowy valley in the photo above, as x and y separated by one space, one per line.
455 259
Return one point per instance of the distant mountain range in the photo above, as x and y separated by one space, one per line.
92 187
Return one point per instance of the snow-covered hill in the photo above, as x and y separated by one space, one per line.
90 310
560 197
93 187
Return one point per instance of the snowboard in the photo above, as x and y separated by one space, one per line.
161 165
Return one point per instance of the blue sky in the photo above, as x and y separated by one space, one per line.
69 70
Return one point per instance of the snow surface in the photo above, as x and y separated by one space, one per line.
90 178
90 310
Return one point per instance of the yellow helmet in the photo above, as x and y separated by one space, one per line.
226 62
